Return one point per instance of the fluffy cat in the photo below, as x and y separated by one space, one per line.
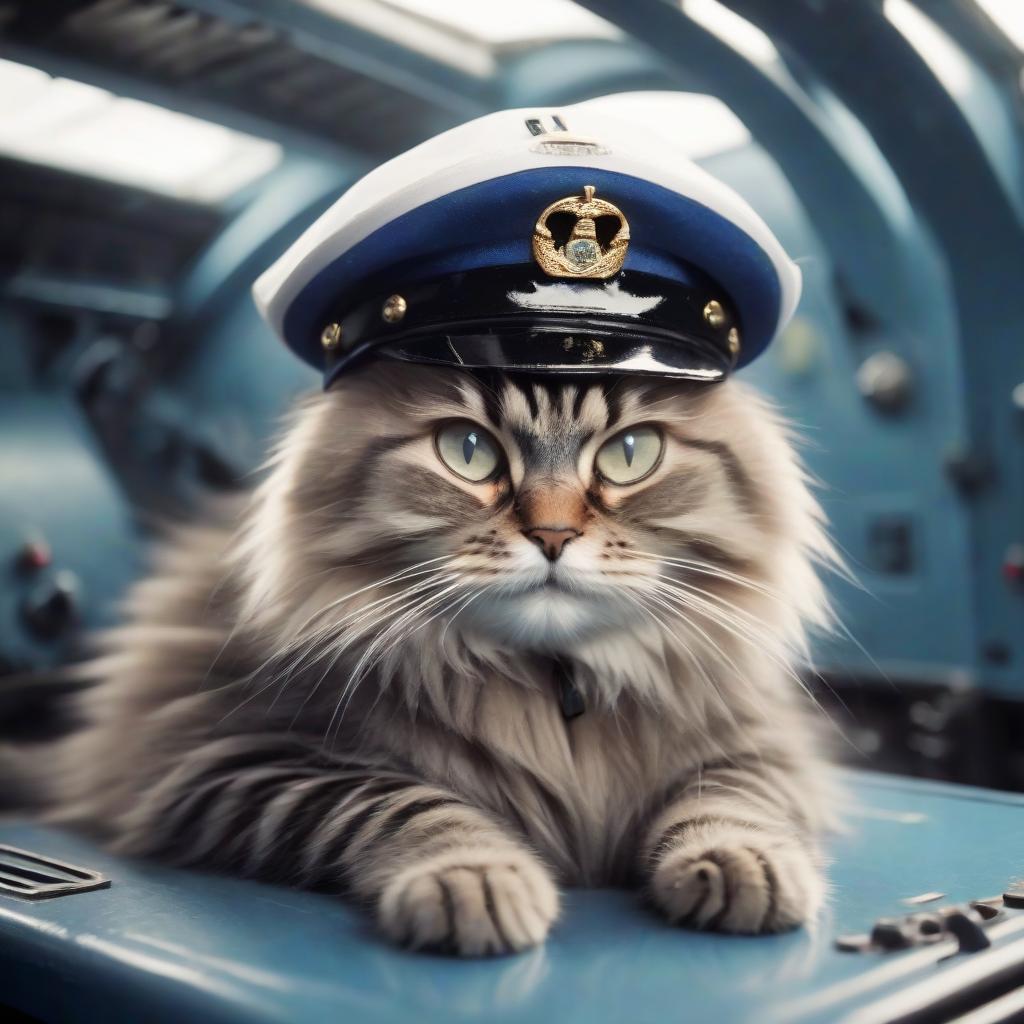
368 679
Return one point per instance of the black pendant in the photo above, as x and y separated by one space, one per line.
569 696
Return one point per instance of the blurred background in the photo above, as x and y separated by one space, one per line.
156 156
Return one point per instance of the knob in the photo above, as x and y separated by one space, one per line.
34 555
52 605
966 926
970 471
1013 564
885 380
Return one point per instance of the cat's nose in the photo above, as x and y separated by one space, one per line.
551 540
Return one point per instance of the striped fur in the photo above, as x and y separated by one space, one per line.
350 683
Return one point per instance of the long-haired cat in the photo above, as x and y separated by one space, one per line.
476 636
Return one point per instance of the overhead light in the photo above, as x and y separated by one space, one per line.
733 29
468 34
942 55
77 127
468 55
1009 16
533 21
702 125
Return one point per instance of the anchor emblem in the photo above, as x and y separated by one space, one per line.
582 255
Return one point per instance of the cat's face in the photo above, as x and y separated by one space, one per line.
541 512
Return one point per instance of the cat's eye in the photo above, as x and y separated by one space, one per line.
468 450
630 456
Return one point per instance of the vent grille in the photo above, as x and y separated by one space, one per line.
34 877
56 224
244 65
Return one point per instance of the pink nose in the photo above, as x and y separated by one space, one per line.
551 541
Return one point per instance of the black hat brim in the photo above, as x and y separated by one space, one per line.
508 318
573 351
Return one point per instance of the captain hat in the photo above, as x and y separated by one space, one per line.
542 240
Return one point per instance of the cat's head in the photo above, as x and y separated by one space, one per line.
536 513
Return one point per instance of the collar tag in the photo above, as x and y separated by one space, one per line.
569 696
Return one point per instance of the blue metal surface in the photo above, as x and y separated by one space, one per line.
168 946
871 466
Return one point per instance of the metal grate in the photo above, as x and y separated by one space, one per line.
246 66
57 224
33 877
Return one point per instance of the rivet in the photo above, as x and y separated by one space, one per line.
330 338
394 309
734 342
714 314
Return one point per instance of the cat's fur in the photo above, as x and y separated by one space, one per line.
350 687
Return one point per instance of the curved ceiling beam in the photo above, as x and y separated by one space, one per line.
996 107
916 122
952 183
839 190
966 22
292 195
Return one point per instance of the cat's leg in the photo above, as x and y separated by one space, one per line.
437 872
732 851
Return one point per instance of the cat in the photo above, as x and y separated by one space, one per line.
475 636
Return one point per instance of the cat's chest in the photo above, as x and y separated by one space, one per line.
581 786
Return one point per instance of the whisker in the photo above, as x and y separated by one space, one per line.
382 639
408 572
465 603
296 657
684 649
704 635
343 643
800 649
735 627
708 570
758 640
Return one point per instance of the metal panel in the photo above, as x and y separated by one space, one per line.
870 465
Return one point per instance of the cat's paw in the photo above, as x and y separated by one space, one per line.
748 884
470 902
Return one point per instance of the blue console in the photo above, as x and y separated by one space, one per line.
166 947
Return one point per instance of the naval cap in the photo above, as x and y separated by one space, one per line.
549 240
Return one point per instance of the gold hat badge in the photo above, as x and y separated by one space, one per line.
582 255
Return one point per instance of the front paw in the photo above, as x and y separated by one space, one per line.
749 883
470 902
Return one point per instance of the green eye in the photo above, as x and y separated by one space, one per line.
630 456
468 450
